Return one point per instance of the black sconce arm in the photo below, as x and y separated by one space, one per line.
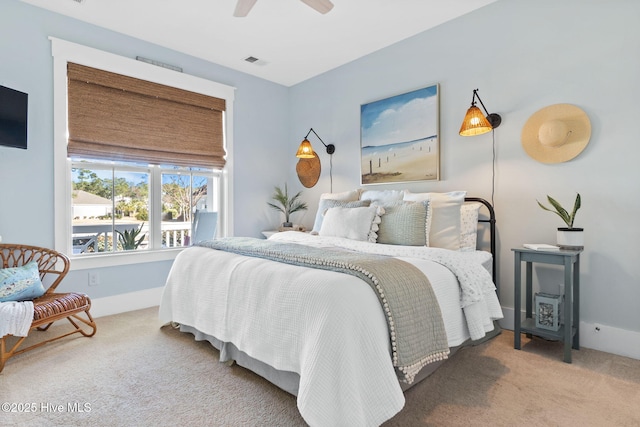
493 118
330 148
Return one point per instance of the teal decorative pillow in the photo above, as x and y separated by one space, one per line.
404 223
20 283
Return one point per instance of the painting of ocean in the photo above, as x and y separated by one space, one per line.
400 138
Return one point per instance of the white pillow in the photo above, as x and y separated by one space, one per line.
345 196
444 217
469 226
331 203
382 197
352 223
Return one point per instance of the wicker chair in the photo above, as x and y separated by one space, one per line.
51 306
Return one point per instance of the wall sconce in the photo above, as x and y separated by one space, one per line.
308 167
305 151
475 123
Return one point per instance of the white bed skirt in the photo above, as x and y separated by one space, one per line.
290 381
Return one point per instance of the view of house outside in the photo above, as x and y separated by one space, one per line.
111 206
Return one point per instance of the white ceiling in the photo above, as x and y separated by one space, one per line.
292 41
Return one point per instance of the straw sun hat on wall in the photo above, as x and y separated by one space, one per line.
556 133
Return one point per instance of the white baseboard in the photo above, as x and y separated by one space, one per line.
126 302
610 339
605 338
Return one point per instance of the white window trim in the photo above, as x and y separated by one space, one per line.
63 52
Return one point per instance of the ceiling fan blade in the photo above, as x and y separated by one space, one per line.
243 7
322 6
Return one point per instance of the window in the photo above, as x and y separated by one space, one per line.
110 208
114 205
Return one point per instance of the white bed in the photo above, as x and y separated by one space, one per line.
322 335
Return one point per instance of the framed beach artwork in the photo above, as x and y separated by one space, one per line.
399 138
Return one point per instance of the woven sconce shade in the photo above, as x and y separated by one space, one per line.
305 150
474 123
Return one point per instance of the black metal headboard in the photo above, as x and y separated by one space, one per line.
492 232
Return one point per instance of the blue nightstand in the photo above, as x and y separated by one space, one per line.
569 333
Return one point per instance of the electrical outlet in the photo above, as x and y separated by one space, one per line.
94 280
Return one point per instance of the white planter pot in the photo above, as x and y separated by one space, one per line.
570 238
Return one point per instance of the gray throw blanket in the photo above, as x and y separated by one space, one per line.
413 315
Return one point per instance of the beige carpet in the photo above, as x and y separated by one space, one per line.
134 373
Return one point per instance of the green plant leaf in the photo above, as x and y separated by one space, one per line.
285 204
562 212
127 238
576 206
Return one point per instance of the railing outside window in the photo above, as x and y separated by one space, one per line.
121 206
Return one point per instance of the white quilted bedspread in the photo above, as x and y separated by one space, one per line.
328 327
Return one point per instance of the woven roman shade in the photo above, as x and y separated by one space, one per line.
116 117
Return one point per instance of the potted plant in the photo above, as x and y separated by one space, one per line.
568 237
129 238
287 205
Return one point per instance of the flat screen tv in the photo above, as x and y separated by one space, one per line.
13 118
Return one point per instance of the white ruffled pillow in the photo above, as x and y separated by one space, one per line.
345 196
352 223
326 204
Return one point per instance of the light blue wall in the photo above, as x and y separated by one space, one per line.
26 176
523 56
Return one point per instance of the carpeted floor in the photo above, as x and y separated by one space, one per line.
134 373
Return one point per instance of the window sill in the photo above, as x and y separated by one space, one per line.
111 260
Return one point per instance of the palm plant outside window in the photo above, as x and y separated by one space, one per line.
114 208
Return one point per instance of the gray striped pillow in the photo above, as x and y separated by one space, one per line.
404 223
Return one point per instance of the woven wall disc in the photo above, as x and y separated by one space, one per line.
309 171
